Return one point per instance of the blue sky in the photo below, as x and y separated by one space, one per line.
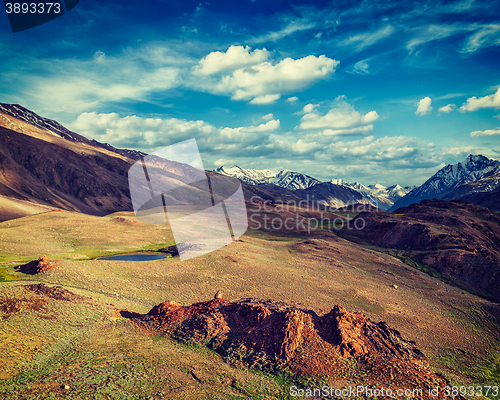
376 92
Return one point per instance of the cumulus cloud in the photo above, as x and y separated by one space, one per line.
267 79
292 99
268 117
266 99
487 132
244 134
235 57
137 132
446 109
150 133
342 119
424 106
245 144
223 161
474 103
308 108
382 149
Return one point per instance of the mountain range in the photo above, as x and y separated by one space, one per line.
476 180
44 165
380 196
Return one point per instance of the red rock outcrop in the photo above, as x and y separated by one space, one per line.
43 264
275 336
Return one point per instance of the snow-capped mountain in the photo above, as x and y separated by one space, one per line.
379 195
285 178
451 177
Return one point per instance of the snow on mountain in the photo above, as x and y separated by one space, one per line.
451 177
484 192
286 179
379 195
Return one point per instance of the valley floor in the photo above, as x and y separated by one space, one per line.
53 347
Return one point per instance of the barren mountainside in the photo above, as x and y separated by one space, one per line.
457 239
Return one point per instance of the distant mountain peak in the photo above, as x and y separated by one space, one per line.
285 178
450 177
377 194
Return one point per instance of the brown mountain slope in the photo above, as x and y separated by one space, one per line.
459 240
43 166
59 173
489 200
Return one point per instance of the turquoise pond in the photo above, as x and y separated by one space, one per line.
134 257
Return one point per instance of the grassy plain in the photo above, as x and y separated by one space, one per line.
49 343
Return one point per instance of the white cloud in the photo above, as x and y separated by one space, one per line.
361 67
362 40
268 117
488 132
424 106
235 57
433 32
376 159
222 161
266 99
292 27
488 35
268 79
151 133
446 109
292 99
137 132
474 103
382 149
85 84
309 108
342 119
360 130
241 131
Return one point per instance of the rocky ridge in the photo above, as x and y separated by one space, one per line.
273 336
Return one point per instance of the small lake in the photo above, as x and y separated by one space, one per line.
134 257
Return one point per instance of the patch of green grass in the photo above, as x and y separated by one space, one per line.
480 366
7 275
482 371
408 260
